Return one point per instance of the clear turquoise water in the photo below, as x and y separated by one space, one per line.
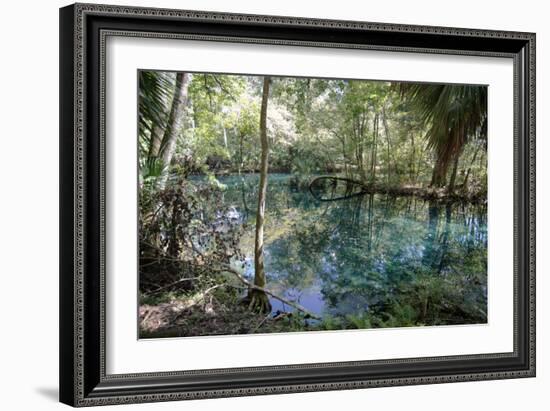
404 261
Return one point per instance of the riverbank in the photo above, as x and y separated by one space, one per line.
213 317
429 193
475 195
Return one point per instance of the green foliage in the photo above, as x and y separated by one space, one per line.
155 93
454 114
375 261
379 132
180 238
150 170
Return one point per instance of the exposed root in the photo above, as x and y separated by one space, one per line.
258 301
253 287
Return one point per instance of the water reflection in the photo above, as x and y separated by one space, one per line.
374 259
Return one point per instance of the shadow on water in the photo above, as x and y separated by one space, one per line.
401 260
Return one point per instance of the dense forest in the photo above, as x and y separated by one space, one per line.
287 204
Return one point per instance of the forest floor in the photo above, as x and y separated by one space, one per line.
175 319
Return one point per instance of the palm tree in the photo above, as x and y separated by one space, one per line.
155 94
162 103
174 123
454 114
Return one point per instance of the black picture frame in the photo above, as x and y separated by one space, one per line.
83 29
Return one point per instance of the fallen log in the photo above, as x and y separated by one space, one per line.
354 188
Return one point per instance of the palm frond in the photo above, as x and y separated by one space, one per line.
155 92
453 113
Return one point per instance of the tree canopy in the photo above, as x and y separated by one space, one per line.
383 133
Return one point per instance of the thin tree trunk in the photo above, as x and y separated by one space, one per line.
467 176
225 137
374 147
241 164
412 165
387 133
258 299
344 155
173 126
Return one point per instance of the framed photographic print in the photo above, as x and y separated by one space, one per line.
262 204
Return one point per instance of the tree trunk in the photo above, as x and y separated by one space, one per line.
451 187
374 148
467 176
447 155
439 174
173 127
258 299
391 163
241 164
412 165
156 140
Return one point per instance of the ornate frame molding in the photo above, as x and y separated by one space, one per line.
83 41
